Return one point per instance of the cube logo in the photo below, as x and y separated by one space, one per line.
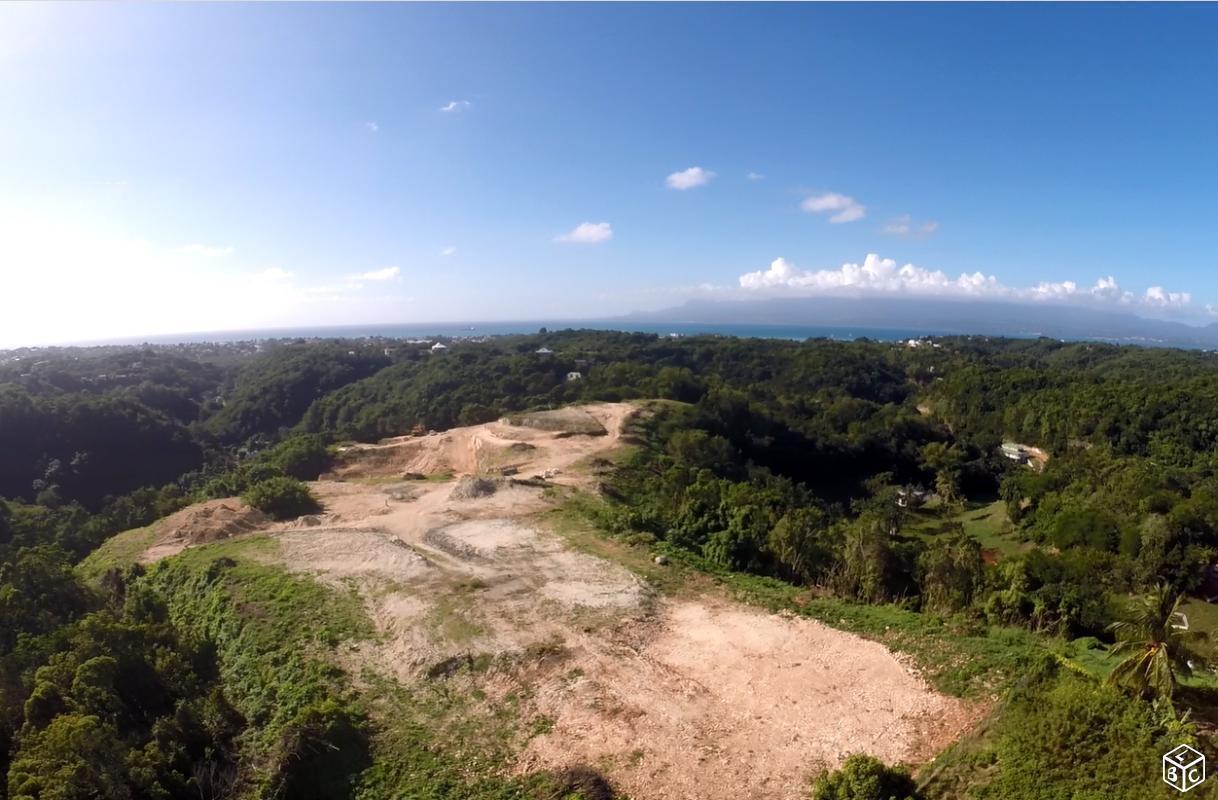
1183 768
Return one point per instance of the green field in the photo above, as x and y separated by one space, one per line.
985 521
121 551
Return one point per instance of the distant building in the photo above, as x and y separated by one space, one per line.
544 351
908 496
574 376
439 347
1015 452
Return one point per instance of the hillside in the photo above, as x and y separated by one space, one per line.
466 576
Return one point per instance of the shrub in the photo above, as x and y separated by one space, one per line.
321 751
240 480
1066 736
865 778
281 497
302 457
580 783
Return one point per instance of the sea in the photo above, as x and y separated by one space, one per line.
470 330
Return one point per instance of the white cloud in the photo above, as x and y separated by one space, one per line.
448 251
455 106
755 176
371 126
905 226
587 233
385 274
875 274
206 251
840 207
689 178
1155 296
883 276
275 274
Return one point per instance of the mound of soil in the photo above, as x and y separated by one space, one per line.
564 421
211 521
470 487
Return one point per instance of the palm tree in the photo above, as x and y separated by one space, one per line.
1158 647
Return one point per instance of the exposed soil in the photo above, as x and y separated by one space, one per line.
716 701
542 441
202 523
1038 458
564 421
674 699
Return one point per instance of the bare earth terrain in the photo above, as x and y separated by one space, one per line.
673 699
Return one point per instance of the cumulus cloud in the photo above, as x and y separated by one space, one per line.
904 225
755 176
883 276
455 106
587 233
689 178
1156 296
448 251
840 207
206 250
384 274
875 274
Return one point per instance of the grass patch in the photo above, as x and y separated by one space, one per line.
444 741
376 480
987 522
440 477
1202 616
449 620
119 551
1091 657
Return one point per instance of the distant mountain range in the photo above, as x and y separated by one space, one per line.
942 316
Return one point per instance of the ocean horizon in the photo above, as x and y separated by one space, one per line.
470 330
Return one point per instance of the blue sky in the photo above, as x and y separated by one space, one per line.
198 167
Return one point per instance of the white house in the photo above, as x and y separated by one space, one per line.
1015 452
544 351
439 347
574 376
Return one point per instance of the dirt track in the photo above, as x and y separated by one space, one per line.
675 699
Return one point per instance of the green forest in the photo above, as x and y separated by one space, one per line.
861 483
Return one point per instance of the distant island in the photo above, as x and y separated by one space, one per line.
937 317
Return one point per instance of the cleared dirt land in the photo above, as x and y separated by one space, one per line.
695 697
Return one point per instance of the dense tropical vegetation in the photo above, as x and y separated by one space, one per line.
868 475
